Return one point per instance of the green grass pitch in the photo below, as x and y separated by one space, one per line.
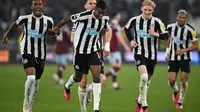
50 96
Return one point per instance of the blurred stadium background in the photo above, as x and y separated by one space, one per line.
50 96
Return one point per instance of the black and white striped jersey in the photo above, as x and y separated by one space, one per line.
147 44
35 33
181 37
87 31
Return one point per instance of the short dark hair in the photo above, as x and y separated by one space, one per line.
101 4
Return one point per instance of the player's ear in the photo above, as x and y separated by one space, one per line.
85 6
141 8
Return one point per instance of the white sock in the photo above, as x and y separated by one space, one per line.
81 94
34 89
89 88
174 87
70 82
97 95
115 84
183 90
143 89
28 84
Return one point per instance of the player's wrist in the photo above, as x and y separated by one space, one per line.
167 52
107 46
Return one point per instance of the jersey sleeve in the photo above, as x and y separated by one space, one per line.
50 23
20 20
162 27
75 17
169 29
194 35
106 25
74 27
129 25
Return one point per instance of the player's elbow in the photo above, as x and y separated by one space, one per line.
164 36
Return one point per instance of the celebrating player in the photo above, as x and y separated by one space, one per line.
147 30
89 25
33 48
182 41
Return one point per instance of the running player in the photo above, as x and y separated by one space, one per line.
182 41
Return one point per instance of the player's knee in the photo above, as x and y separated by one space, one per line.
117 68
171 81
83 83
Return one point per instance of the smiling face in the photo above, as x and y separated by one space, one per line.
90 4
37 8
147 11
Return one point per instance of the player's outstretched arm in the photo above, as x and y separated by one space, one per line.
63 22
10 29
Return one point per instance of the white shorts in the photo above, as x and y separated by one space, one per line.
61 58
115 58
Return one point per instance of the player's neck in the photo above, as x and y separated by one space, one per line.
37 16
146 18
181 25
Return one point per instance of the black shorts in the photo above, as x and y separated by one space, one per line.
83 61
174 66
86 70
29 60
150 64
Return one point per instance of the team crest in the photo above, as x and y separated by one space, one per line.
138 62
77 67
25 61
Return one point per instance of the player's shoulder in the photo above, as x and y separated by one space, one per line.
48 18
157 19
171 25
190 26
105 17
135 17
85 13
25 16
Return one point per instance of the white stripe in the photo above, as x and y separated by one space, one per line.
178 46
138 37
184 45
172 41
45 24
77 34
85 36
37 27
29 38
152 42
92 38
22 43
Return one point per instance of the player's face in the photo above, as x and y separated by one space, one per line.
99 13
37 8
147 11
181 18
90 4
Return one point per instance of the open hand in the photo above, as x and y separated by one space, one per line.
4 41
